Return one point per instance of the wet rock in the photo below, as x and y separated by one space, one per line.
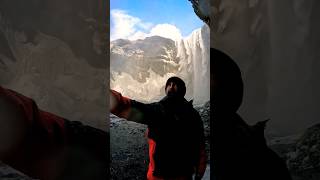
304 159
8 173
301 152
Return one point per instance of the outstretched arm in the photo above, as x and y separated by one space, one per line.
119 105
20 115
132 110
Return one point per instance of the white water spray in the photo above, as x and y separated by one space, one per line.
194 69
194 53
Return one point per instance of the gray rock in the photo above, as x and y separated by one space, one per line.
8 173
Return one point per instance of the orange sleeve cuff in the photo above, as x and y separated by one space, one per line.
201 168
119 105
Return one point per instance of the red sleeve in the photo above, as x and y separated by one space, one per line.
120 105
202 163
38 120
201 168
21 102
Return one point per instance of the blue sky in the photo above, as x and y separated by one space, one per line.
137 18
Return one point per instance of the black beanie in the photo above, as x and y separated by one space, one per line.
227 91
180 84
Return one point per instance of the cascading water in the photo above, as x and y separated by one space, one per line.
276 45
194 52
190 55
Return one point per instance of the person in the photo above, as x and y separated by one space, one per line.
239 150
175 132
43 145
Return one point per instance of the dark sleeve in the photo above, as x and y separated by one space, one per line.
132 110
35 120
144 113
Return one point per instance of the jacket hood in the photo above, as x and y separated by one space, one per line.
227 90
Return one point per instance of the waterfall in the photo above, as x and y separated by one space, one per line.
190 55
276 45
193 52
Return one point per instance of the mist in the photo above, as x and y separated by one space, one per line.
276 45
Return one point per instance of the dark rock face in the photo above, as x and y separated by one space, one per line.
301 153
304 159
202 8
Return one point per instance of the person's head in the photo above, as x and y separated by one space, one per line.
227 85
175 87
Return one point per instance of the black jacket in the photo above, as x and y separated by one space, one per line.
239 150
177 129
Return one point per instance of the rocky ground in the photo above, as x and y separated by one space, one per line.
129 150
301 152
204 112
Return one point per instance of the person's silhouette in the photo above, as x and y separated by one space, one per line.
239 150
